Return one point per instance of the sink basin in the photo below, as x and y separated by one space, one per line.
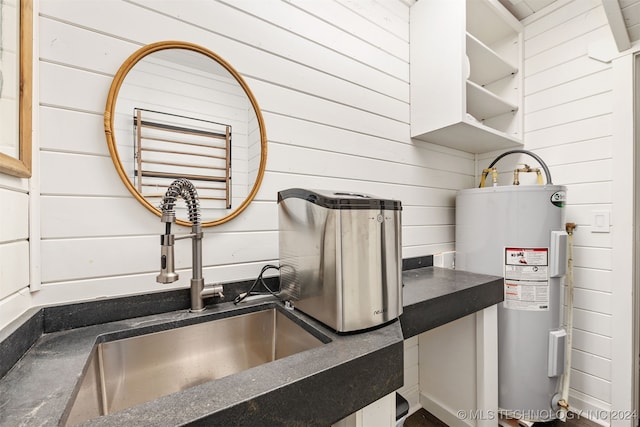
131 371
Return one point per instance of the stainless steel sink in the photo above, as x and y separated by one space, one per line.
131 371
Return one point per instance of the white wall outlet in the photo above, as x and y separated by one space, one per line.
601 220
445 260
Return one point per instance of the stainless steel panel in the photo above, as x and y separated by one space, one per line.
341 266
135 370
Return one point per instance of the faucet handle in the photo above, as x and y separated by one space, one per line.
214 290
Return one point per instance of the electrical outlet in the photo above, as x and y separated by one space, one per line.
445 260
601 220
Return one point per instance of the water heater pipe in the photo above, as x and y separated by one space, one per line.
529 153
566 376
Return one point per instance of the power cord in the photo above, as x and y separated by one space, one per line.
259 279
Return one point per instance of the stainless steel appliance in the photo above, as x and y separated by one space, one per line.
341 256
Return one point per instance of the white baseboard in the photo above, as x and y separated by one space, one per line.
589 407
445 414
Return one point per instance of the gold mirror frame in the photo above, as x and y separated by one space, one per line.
21 166
109 115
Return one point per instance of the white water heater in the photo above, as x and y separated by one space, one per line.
517 232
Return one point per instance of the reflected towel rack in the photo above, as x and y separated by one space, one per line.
169 146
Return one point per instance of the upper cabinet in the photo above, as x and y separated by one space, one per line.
466 79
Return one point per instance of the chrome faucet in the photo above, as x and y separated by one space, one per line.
184 188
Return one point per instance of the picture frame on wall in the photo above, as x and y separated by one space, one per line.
16 48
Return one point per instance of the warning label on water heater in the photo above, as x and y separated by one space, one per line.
526 279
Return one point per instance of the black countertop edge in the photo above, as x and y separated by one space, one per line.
351 384
315 387
434 296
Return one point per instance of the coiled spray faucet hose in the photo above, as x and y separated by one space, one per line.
184 188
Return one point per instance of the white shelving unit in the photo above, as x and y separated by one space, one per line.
466 84
495 66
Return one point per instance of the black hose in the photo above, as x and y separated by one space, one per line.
260 280
535 156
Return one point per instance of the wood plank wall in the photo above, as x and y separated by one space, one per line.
568 106
332 79
14 248
14 198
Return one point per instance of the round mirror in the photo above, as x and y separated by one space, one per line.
178 110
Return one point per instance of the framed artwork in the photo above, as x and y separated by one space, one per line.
16 36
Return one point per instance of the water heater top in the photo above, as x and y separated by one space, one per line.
340 199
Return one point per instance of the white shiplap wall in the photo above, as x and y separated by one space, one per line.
14 248
568 122
332 79
14 192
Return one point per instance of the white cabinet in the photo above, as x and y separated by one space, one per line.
466 79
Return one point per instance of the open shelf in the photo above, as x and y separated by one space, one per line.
466 79
468 136
483 104
486 65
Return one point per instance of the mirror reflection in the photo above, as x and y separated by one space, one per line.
9 78
15 87
180 111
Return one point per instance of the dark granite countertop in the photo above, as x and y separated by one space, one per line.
291 391
433 296
316 387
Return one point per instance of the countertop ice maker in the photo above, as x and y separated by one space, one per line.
341 257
